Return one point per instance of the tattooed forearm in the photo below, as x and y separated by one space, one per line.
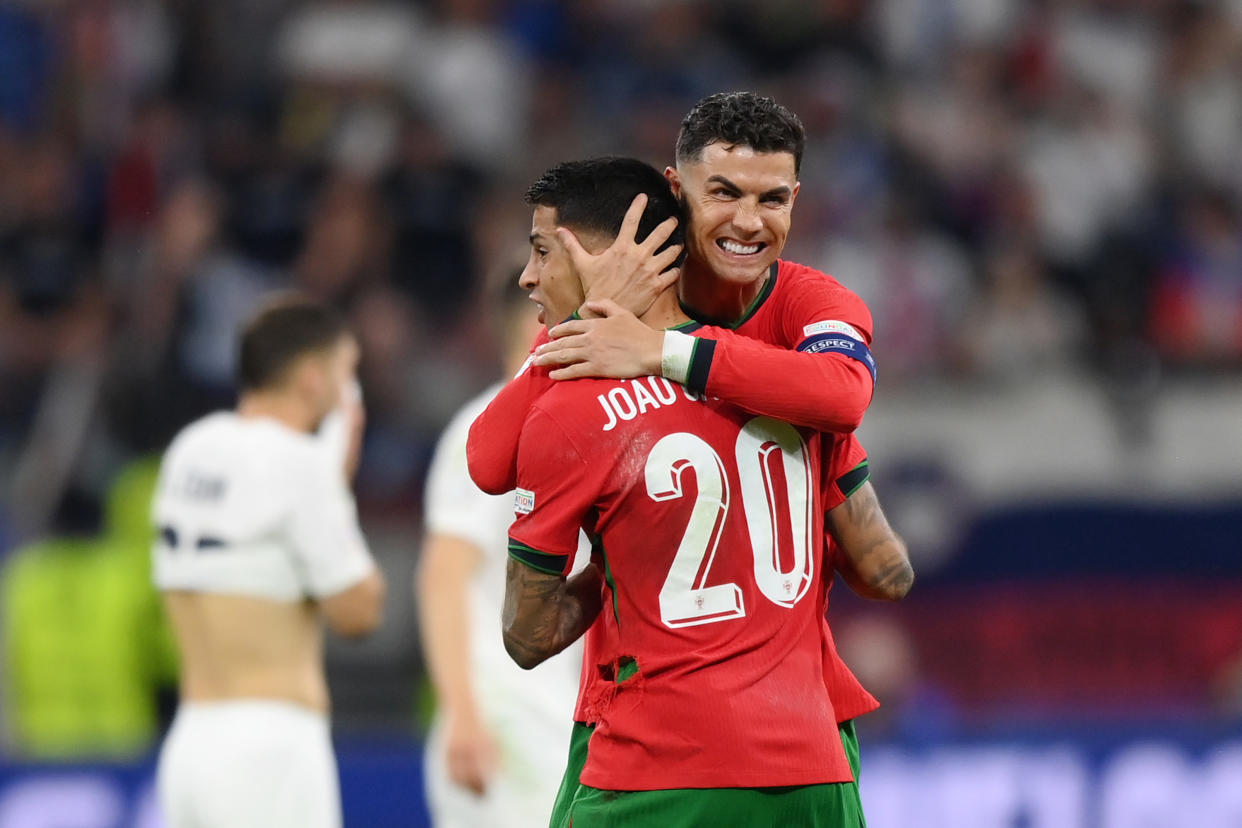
874 560
543 614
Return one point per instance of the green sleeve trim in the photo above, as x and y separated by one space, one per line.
700 364
598 546
853 479
542 561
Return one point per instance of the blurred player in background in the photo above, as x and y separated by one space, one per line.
500 736
712 700
258 546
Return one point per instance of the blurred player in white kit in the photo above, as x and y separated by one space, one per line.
258 546
498 744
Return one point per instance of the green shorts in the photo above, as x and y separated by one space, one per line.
831 805
579 738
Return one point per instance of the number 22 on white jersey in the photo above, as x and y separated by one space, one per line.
685 600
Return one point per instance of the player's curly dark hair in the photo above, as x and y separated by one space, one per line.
743 119
594 195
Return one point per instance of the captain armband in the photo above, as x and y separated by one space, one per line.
840 343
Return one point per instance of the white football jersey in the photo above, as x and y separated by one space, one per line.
528 712
249 506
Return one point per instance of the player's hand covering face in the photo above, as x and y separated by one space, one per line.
739 204
549 274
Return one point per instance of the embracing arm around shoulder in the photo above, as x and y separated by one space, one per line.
544 613
871 557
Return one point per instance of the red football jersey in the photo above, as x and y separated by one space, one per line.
799 308
845 469
709 523
822 331
820 374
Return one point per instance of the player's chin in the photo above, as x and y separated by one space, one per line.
743 272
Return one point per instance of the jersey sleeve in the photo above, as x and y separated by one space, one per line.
491 447
331 552
453 504
845 468
822 378
556 490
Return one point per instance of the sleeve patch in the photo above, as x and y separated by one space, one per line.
523 501
550 564
832 326
849 482
840 344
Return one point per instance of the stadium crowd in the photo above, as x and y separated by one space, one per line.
1013 187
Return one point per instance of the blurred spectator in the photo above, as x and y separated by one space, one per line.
347 242
432 199
1196 310
917 283
185 298
1088 162
473 81
87 650
882 654
27 63
1202 87
1020 326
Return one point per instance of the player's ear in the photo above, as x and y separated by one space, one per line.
310 376
674 180
794 196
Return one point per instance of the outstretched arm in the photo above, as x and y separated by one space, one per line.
870 556
825 384
544 613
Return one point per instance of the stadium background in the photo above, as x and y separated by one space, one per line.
1041 202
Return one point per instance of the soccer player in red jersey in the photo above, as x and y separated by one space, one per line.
709 527
737 162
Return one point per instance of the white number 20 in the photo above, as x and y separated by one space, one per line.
685 601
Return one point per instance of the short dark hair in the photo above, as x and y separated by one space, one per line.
595 194
286 328
741 119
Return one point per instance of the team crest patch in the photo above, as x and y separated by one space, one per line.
831 326
523 502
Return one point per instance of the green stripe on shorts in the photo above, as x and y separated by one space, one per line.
833 805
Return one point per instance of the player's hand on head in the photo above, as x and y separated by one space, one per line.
614 343
471 753
630 271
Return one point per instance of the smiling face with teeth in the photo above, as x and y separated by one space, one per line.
739 203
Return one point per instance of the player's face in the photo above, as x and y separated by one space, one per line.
549 275
337 372
739 205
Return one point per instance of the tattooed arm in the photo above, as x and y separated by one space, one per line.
870 555
545 613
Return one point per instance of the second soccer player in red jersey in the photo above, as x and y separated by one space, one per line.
709 527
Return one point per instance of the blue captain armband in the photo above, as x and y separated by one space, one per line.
839 343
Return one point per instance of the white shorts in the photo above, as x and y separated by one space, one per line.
249 764
519 795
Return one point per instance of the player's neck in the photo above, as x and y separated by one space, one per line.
711 299
280 406
665 312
